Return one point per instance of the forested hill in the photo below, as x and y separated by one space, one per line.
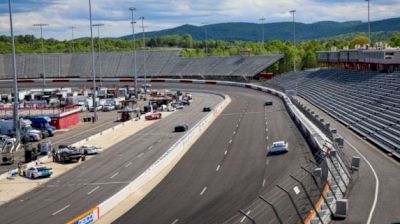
277 31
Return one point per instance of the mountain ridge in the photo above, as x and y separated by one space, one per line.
247 31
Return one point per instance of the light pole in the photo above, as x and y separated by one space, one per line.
369 22
294 41
93 65
133 9
72 38
98 25
262 19
14 69
205 34
41 25
144 59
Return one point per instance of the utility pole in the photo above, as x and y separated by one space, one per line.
15 86
41 25
93 65
133 9
144 59
369 21
206 37
262 19
98 45
72 38
294 41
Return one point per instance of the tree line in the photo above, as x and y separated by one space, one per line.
304 53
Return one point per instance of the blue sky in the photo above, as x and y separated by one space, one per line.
161 14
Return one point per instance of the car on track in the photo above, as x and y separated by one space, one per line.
268 103
206 109
38 171
89 149
153 116
279 148
181 128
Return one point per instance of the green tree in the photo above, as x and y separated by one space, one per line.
359 40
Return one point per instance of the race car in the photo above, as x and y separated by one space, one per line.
38 171
279 147
89 149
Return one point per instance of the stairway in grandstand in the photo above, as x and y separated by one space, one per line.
367 102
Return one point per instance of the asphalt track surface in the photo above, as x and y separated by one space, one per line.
67 196
72 135
227 168
362 190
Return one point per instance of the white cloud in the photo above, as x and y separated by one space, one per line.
161 14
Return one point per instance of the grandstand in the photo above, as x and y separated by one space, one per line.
367 102
120 64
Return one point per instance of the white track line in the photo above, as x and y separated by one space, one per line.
93 190
150 147
175 221
218 167
128 164
230 141
140 155
263 183
55 213
226 152
204 190
244 217
376 182
114 175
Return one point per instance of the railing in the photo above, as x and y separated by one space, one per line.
6 112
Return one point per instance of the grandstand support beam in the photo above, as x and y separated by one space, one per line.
14 70
41 25
132 9
93 65
294 40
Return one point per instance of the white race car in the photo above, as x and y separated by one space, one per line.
279 147
38 171
89 149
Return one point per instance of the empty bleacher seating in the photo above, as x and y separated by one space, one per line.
121 64
367 102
